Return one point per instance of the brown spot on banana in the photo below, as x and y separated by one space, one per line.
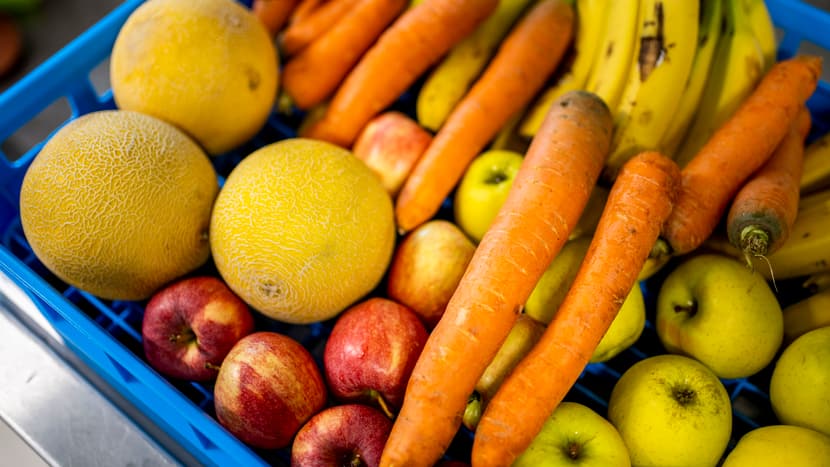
652 47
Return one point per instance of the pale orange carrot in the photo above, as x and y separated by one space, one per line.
413 43
545 201
274 14
310 25
764 209
312 76
736 150
524 62
639 202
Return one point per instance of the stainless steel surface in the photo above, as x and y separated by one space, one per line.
51 407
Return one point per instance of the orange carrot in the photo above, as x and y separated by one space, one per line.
736 150
764 210
303 10
274 14
545 201
639 202
521 66
311 76
413 43
306 28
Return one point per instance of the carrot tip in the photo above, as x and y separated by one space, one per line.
754 241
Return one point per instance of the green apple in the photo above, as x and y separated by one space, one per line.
524 334
552 287
799 388
575 435
671 411
554 284
626 328
780 445
713 308
483 190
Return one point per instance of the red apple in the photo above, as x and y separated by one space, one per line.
351 434
268 386
190 326
427 267
371 351
390 145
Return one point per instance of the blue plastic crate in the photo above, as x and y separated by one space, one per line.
106 334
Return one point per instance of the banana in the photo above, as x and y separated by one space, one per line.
814 199
589 30
819 282
452 78
709 33
810 313
764 30
816 172
736 69
660 68
806 251
610 69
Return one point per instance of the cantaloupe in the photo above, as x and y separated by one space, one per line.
118 203
208 66
302 229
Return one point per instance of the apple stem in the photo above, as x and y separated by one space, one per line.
495 178
683 395
212 366
573 450
182 337
381 402
356 461
690 308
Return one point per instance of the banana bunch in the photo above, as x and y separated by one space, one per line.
816 172
610 69
739 62
806 315
666 44
454 76
590 26
709 33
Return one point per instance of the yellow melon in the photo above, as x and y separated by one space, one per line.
301 229
208 67
118 203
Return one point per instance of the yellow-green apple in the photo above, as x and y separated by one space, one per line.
588 221
483 190
371 351
427 266
780 445
347 435
390 145
713 308
671 411
190 326
524 334
575 435
626 328
268 386
552 287
799 388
